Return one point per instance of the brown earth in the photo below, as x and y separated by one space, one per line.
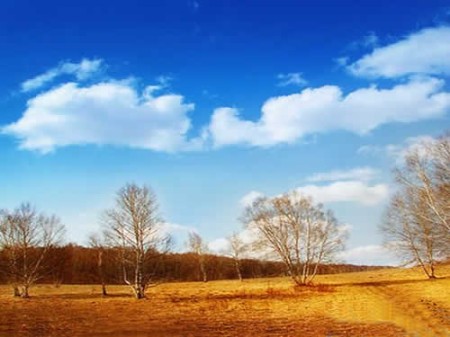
376 303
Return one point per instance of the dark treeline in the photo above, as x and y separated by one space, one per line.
73 264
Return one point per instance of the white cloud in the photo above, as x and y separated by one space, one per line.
250 197
219 246
81 71
112 113
360 192
417 143
248 237
347 191
291 79
359 173
369 255
423 52
285 119
398 151
172 228
367 150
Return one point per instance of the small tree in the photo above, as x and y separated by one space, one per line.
135 227
26 237
199 248
300 233
417 223
237 248
99 246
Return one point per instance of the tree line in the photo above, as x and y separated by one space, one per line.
75 264
291 235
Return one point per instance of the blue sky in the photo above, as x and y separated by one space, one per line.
214 102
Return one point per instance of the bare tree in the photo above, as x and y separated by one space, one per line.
26 238
135 227
237 248
300 233
417 222
198 247
96 242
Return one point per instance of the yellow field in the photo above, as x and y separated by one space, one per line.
377 303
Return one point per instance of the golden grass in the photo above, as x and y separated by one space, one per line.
376 303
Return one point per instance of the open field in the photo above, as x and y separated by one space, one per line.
376 303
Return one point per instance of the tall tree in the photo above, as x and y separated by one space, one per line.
26 238
301 234
237 249
417 223
199 248
96 243
135 227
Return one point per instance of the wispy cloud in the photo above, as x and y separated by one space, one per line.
295 79
250 197
423 52
359 173
81 71
397 151
370 40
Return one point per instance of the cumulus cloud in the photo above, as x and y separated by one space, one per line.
295 79
347 191
116 113
113 113
81 71
423 52
359 173
285 119
376 255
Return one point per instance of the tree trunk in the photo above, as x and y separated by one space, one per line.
16 291
238 269
139 287
104 292
203 270
139 291
25 293
432 274
100 272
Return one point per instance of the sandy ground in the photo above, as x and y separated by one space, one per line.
377 303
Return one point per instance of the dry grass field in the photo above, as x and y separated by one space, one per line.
377 303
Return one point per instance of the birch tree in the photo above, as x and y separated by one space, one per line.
198 247
417 223
237 249
98 244
136 229
26 237
301 234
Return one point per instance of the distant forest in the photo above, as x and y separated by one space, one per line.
73 264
